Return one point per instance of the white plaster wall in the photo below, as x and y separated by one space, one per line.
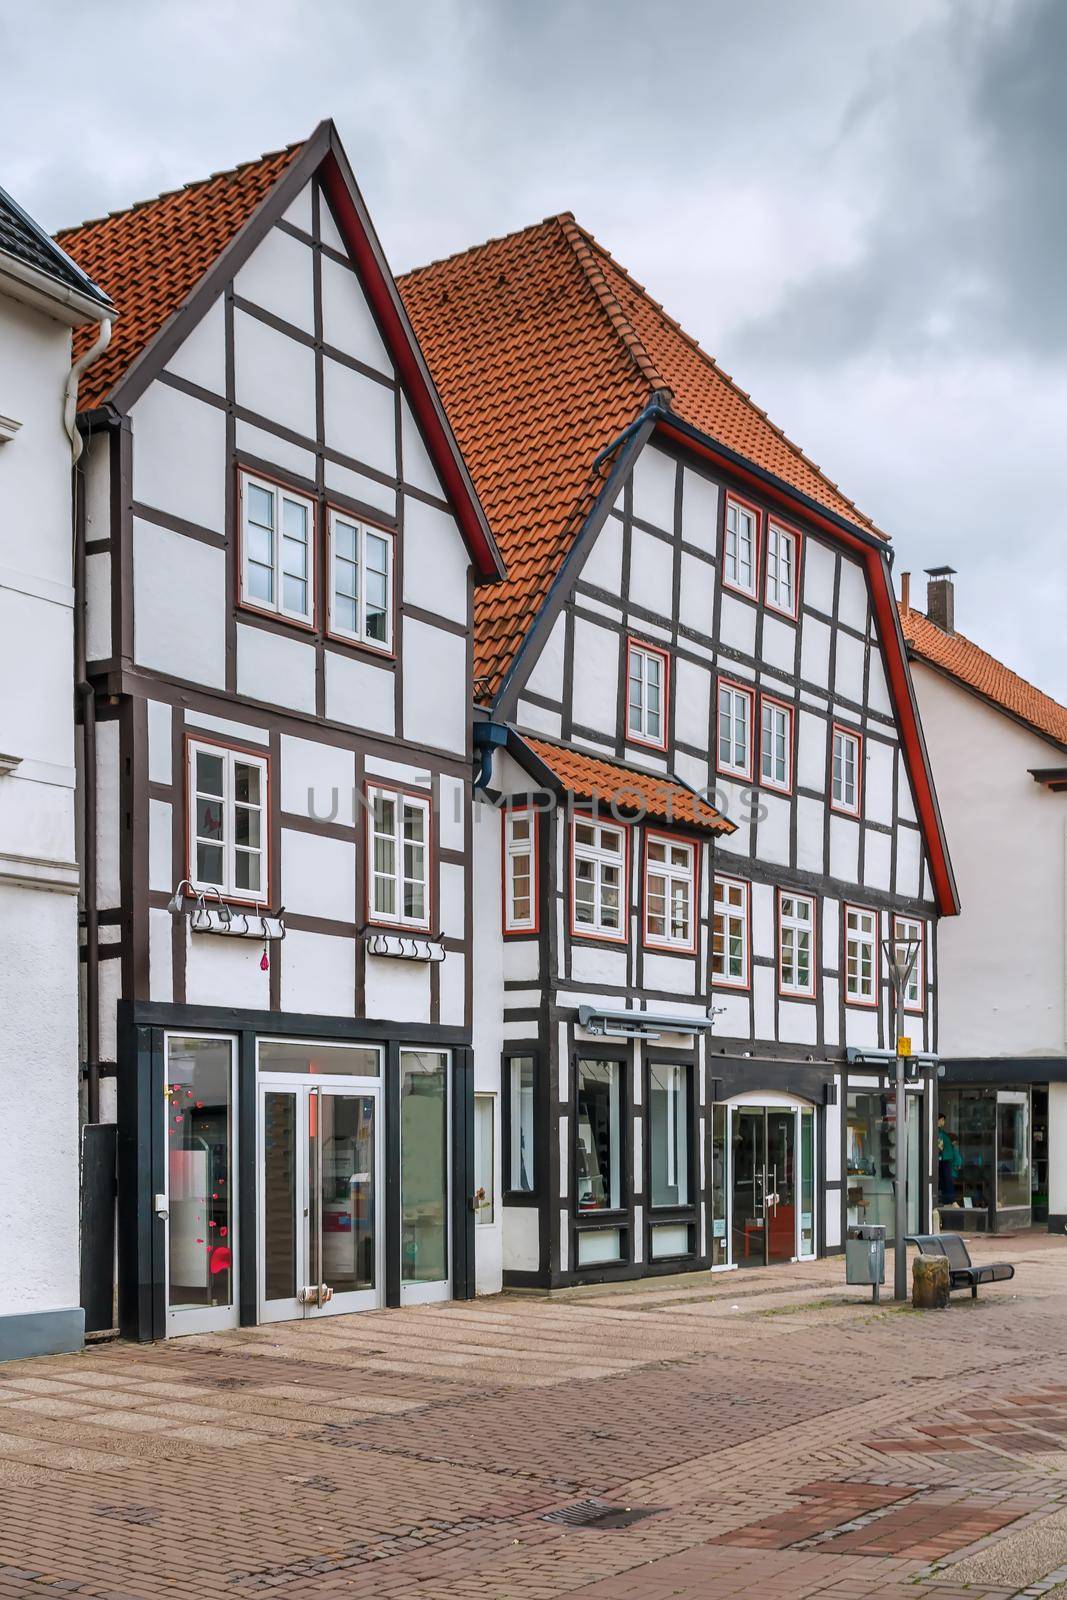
436 564
435 687
179 457
179 592
1001 962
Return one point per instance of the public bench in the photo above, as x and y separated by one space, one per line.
963 1274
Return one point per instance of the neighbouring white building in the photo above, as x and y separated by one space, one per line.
705 797
998 747
43 296
282 545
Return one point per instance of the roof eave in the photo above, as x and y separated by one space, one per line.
38 289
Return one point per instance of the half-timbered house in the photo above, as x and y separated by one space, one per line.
280 543
708 800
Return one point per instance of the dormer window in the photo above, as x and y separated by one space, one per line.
277 550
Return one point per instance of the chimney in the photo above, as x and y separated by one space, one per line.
941 597
905 590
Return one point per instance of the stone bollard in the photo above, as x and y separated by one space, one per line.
929 1283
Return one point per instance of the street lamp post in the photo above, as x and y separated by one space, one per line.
900 957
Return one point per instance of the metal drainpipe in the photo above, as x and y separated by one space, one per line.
84 690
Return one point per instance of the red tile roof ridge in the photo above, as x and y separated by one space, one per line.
720 372
933 644
182 188
586 250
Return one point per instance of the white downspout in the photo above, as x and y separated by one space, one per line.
70 399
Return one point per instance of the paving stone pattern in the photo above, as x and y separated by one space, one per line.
768 1434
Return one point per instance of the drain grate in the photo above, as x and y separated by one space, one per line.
599 1514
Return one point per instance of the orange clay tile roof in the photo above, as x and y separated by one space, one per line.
976 669
543 350
590 777
150 258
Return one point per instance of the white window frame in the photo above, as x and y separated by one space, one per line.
514 849
601 857
730 914
231 758
276 606
794 927
733 547
403 801
858 939
364 530
676 875
781 590
738 695
906 929
641 733
778 710
839 787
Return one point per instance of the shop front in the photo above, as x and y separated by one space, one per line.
871 1140
280 1169
764 1181
985 1172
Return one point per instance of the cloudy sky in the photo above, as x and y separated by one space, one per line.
859 206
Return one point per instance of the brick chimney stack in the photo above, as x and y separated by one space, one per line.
941 597
905 590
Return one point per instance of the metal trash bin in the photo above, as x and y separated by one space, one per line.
865 1254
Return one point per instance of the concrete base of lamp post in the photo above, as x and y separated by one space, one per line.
929 1283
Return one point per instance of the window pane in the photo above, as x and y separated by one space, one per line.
414 822
384 896
246 783
377 625
294 520
260 504
260 545
209 819
247 870
344 540
261 583
294 558
522 1124
377 554
424 1166
209 864
599 1184
668 1134
209 770
246 827
295 592
345 614
199 1172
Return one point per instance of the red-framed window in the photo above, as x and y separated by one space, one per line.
797 972
228 820
862 959
734 731
599 879
731 934
846 770
276 539
671 893
399 858
361 565
781 570
908 930
519 843
647 679
776 744
741 546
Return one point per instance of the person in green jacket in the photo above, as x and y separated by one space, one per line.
949 1162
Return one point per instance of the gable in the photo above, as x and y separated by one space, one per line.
168 260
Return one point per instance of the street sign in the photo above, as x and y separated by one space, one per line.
903 1045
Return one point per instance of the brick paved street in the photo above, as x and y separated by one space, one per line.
758 1434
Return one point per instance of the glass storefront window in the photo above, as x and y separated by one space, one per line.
200 1177
807 1182
1013 1149
719 1241
599 1179
424 1165
484 1180
668 1133
871 1159
346 1060
521 1089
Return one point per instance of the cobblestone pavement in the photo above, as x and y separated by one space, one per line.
768 1434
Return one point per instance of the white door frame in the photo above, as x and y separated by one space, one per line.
756 1100
202 1319
301 1085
